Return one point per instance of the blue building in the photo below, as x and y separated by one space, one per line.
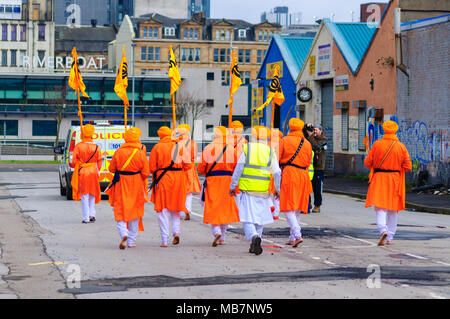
289 53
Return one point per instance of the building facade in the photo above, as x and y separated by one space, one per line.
176 9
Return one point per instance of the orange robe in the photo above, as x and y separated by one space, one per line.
193 183
171 191
220 207
86 175
387 189
295 183
128 196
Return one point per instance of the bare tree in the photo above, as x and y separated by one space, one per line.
189 108
55 99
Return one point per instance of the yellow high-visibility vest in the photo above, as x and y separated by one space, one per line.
257 168
311 167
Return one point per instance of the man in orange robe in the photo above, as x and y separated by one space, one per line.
87 162
191 175
238 140
169 162
127 191
275 138
220 208
388 160
295 157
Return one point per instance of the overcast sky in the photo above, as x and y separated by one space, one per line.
250 10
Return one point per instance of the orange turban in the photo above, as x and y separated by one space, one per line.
296 124
164 131
261 132
237 126
220 131
390 127
88 131
183 129
132 135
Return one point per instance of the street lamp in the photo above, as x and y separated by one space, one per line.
133 45
352 13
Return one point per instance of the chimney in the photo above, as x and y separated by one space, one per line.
200 17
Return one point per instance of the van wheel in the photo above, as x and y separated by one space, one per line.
62 190
68 191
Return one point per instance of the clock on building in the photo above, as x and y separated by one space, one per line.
304 94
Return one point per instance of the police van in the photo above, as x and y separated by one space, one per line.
107 136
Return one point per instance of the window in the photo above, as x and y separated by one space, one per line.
259 56
16 9
242 33
150 32
41 58
4 57
247 56
41 32
153 127
169 31
344 126
8 9
150 54
216 55
143 53
196 34
23 32
197 55
191 55
155 32
183 54
157 54
265 35
13 32
186 33
260 38
4 32
22 55
44 128
13 58
223 57
225 77
210 76
210 103
246 77
145 32
217 35
227 35
10 127
361 128
241 56
191 33
270 34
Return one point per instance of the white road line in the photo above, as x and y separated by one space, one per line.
432 294
415 256
442 263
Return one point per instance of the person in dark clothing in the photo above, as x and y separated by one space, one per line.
319 146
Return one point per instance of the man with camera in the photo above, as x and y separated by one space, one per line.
319 145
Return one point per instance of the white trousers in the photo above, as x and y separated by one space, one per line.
251 230
131 232
293 219
219 230
188 203
237 198
87 206
163 219
387 222
275 203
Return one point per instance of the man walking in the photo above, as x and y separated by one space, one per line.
252 173
318 142
87 161
388 160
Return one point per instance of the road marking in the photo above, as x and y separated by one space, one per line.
315 258
442 263
48 262
432 294
370 244
415 256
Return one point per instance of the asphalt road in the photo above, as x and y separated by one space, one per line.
46 252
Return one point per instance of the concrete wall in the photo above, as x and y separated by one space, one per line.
423 100
170 8
422 9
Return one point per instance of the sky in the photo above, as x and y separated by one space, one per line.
250 10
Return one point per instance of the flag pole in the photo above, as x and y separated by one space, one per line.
230 115
173 111
125 116
80 115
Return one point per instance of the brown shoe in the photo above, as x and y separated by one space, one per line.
316 209
187 217
290 243
176 239
389 243
382 240
298 241
123 243
216 239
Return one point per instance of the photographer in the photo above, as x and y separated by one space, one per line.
319 146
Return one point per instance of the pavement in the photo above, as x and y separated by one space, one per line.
354 187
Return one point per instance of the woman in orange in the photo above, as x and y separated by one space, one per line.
275 137
87 162
295 157
388 160
169 162
193 183
127 191
220 208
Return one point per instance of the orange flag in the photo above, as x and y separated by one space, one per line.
75 79
236 80
121 84
275 92
174 73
